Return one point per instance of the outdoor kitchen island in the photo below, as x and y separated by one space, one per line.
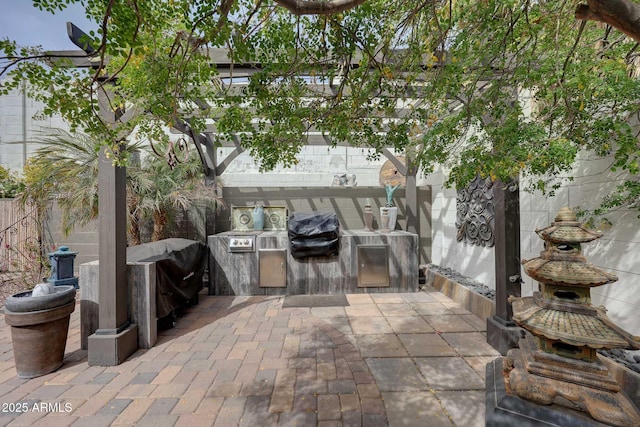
260 263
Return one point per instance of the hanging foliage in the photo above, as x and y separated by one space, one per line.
496 88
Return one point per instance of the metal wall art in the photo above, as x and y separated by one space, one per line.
475 219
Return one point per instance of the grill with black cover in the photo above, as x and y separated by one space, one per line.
314 234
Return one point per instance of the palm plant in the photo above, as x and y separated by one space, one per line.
65 170
163 191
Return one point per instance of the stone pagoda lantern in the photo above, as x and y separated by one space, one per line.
556 362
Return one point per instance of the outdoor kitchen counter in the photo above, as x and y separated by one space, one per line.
260 263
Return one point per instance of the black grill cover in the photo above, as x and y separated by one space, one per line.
313 234
180 265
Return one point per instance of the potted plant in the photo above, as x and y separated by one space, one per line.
389 210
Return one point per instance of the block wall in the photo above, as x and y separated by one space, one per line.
317 166
21 125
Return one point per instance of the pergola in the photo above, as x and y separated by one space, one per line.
116 338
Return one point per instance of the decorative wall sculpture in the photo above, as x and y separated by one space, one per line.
475 219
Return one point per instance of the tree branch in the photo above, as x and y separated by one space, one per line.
621 14
318 7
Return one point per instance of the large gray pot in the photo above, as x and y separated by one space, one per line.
39 329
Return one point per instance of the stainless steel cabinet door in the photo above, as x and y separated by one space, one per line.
373 266
273 268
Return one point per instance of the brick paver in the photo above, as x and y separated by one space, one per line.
385 359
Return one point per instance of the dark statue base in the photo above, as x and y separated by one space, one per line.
553 389
505 410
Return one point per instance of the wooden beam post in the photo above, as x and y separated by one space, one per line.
502 332
115 339
411 202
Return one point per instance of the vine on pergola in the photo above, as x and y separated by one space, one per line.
441 81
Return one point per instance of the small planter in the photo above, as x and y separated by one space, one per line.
390 212
39 329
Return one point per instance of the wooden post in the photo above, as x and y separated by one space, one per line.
502 333
115 339
411 199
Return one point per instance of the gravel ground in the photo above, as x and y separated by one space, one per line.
468 282
630 359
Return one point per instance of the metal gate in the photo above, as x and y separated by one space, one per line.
20 241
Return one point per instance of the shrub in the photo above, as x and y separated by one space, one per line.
10 184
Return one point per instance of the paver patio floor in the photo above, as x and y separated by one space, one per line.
413 359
